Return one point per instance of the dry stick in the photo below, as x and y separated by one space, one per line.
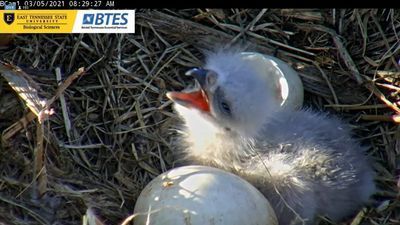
74 52
57 52
255 20
65 85
383 118
64 110
23 85
358 106
17 126
388 86
382 97
62 87
40 185
339 45
335 98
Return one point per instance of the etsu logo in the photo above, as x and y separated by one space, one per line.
105 19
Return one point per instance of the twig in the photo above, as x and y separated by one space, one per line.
383 118
23 85
64 110
340 46
40 186
389 86
358 106
335 98
17 126
381 96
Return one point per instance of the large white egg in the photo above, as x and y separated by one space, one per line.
284 82
200 195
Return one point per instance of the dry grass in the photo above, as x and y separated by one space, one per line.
110 134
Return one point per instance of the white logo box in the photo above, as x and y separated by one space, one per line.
104 21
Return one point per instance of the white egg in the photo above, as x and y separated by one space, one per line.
285 83
200 195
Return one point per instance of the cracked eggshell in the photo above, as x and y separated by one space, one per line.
284 82
200 195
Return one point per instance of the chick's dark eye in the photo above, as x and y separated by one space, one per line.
221 103
226 107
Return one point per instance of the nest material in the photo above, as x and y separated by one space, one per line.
111 130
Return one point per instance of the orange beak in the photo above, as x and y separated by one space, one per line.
195 99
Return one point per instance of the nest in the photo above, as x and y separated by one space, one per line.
110 133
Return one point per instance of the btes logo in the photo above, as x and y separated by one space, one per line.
88 19
8 18
105 19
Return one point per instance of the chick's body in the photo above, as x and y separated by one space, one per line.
305 163
301 159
